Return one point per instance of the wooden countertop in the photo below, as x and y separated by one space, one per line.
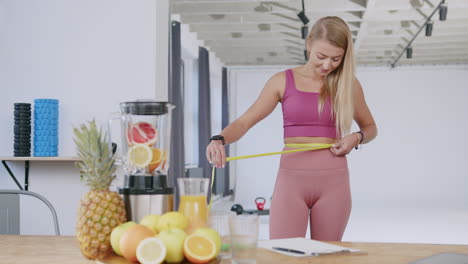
64 249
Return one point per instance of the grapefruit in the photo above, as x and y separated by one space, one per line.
131 239
142 133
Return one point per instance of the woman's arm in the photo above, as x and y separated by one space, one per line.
362 114
364 120
262 107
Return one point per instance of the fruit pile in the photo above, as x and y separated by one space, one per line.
162 238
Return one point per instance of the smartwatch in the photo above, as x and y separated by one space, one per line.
217 137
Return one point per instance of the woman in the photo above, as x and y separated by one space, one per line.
319 101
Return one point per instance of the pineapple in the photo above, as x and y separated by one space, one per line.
100 209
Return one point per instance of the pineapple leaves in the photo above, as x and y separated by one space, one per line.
97 164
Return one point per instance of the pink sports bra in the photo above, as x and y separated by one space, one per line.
300 113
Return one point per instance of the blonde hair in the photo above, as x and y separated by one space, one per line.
339 83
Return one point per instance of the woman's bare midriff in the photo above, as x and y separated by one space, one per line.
325 140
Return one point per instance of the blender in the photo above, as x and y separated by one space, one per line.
145 133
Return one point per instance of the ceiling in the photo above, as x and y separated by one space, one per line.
252 32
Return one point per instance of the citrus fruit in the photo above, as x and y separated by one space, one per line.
140 155
199 249
151 251
151 221
211 234
142 133
131 238
156 160
172 219
117 233
174 240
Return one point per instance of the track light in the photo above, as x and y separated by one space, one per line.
304 31
303 17
409 52
443 12
429 26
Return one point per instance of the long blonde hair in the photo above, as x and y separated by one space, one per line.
338 85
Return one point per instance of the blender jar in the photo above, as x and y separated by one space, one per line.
145 133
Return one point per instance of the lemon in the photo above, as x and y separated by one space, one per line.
140 155
151 251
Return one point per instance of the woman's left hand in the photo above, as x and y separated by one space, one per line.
345 145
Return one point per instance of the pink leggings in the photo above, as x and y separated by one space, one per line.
315 185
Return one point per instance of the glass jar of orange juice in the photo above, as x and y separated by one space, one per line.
193 193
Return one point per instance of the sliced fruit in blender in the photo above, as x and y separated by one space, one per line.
140 155
157 158
151 250
142 133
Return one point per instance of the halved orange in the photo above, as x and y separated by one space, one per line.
157 157
199 249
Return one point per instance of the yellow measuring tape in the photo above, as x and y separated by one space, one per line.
298 147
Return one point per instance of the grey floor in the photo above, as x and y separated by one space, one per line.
399 225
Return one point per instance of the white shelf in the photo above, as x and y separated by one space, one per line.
64 158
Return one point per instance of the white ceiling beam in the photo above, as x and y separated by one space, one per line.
428 49
454 45
420 40
278 49
222 1
240 43
290 18
398 24
437 31
419 56
391 15
266 62
445 61
362 33
248 36
406 4
264 7
254 27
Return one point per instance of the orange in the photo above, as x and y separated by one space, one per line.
156 160
199 249
131 238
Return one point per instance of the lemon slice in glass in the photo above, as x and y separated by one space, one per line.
140 155
151 251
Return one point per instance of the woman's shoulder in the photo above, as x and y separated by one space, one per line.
278 78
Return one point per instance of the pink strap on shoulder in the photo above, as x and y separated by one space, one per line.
289 81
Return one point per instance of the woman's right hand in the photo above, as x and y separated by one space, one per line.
216 154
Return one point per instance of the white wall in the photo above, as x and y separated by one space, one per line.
90 55
418 159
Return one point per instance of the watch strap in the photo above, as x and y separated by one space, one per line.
218 137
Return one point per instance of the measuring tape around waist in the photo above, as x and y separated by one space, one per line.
298 147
